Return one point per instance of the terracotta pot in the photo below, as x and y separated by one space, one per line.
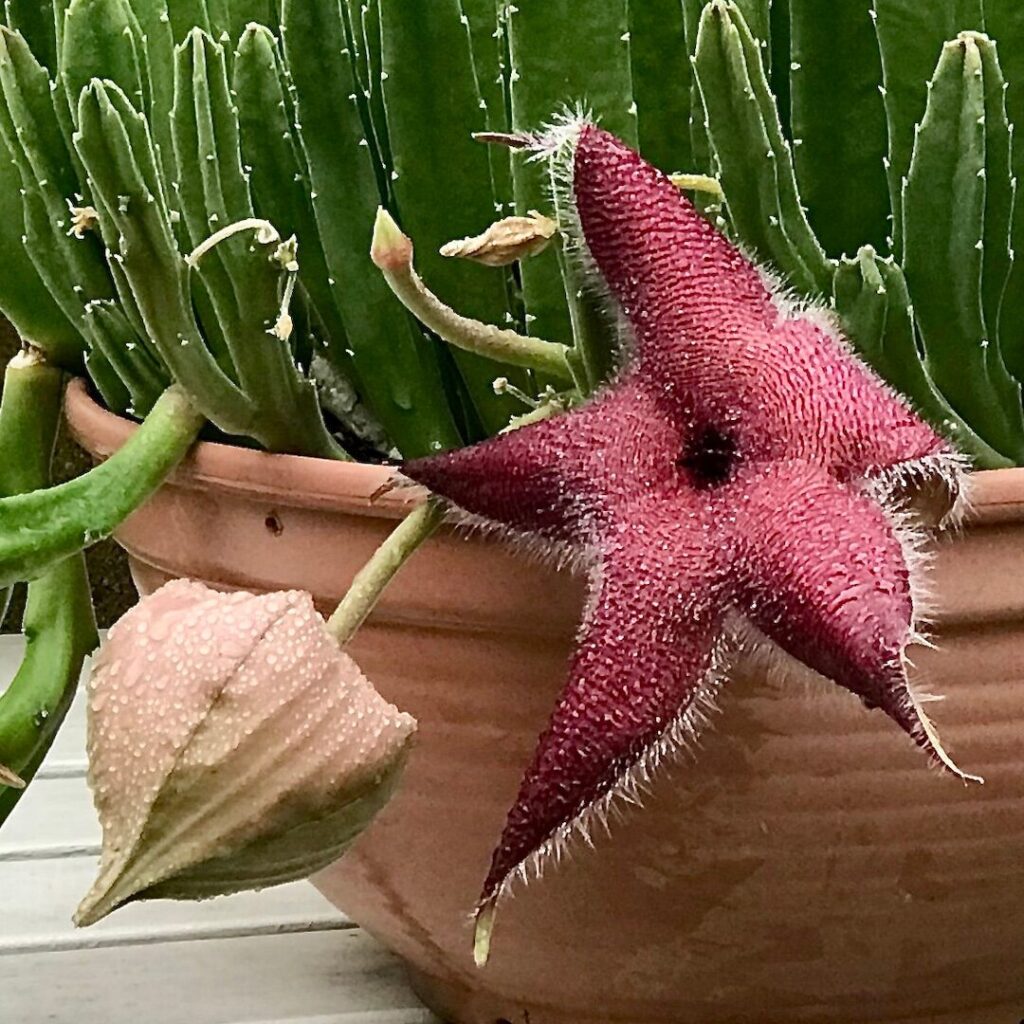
807 866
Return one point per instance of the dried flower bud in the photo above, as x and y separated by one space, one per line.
232 745
286 255
83 220
508 240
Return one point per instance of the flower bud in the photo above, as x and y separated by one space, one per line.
504 242
232 745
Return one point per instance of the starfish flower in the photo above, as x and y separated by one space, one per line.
744 467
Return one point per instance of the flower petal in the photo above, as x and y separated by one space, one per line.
556 477
820 570
643 659
731 344
677 279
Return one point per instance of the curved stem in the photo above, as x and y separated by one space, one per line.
392 252
374 577
59 626
40 528
266 234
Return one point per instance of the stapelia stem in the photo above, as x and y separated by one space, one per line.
58 623
392 252
371 581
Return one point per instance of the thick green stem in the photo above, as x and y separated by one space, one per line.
59 626
41 528
374 577
392 251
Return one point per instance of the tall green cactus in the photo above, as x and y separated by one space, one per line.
818 154
918 95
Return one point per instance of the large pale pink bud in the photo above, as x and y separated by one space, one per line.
232 745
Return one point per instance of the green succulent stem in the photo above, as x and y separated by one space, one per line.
59 625
371 581
392 253
41 528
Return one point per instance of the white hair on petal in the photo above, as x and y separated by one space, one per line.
531 546
561 132
779 669
950 469
918 554
560 555
791 304
556 142
940 758
678 739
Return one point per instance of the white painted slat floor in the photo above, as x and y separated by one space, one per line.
283 956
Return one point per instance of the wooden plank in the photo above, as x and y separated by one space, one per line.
37 898
55 818
217 981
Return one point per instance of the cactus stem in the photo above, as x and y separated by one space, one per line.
266 234
392 252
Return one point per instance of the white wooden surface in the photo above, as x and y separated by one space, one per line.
283 956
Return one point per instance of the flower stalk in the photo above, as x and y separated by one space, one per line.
370 582
392 252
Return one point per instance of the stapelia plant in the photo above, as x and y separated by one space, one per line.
187 194
744 473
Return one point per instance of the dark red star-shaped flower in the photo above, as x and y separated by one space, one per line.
743 467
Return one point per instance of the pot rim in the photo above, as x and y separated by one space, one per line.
294 480
997 495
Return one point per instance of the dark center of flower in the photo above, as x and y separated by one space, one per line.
710 457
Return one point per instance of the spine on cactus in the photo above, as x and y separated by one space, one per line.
71 268
847 193
239 278
754 158
951 191
116 147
